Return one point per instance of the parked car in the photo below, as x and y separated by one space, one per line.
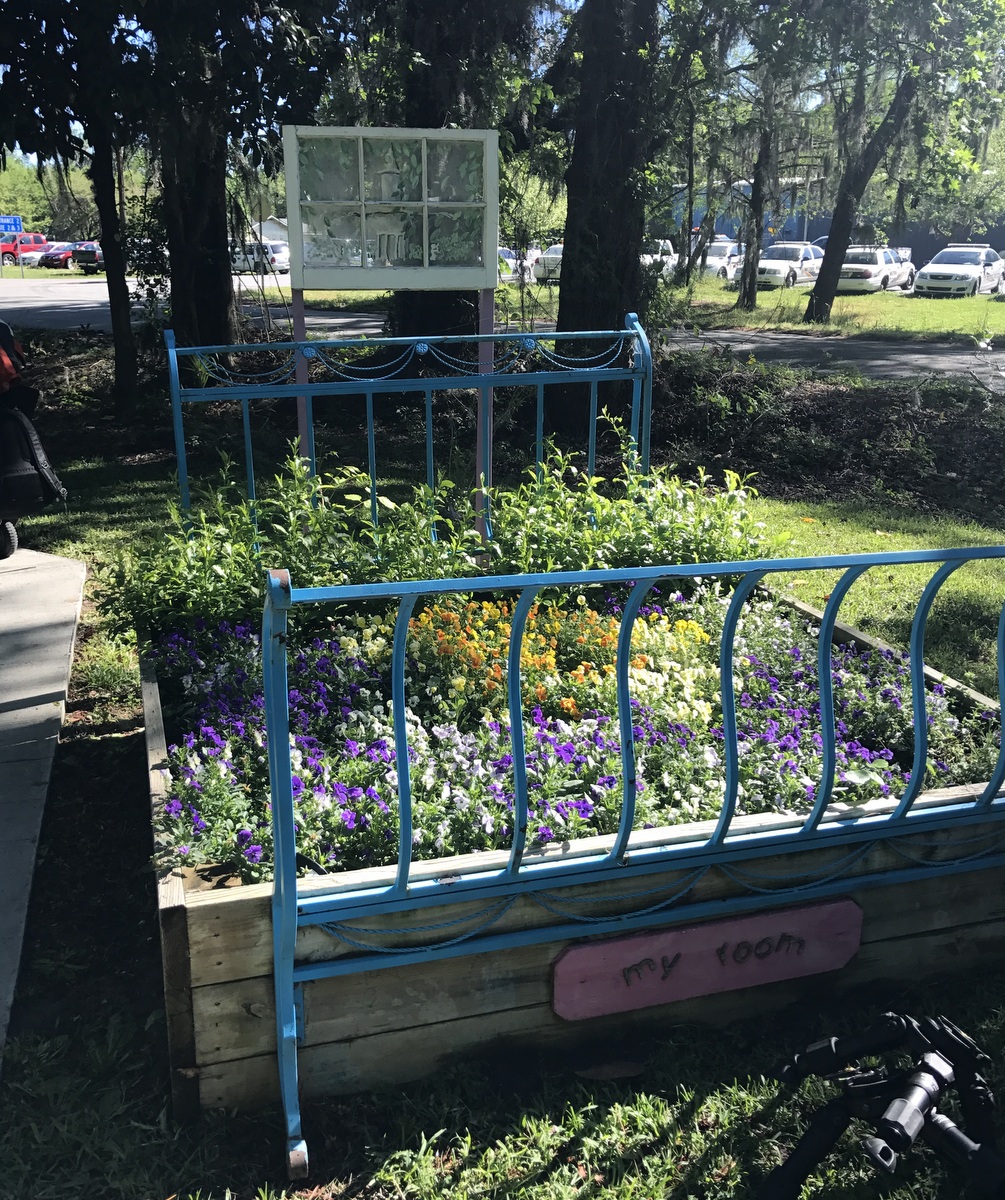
962 269
261 258
13 245
30 258
724 259
787 263
510 266
58 255
88 256
548 268
663 257
876 268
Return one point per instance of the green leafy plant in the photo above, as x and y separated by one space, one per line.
209 563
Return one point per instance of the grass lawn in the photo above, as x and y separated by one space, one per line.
685 1113
521 307
885 314
962 626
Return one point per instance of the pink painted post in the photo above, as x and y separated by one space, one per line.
616 975
483 439
300 335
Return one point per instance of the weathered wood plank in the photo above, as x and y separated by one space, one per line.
172 920
230 937
236 1018
389 1059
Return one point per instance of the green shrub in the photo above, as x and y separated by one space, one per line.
209 563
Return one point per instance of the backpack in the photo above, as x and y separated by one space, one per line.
11 357
27 481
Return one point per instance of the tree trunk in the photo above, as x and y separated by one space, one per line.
753 227
686 258
194 166
102 173
427 314
854 181
435 96
605 222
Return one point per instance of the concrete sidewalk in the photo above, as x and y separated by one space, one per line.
40 598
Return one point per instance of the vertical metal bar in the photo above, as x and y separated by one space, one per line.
646 361
825 682
484 490
284 892
174 380
728 694
918 687
311 451
304 432
636 453
483 434
430 477
591 458
249 456
998 774
539 434
514 685
401 763
371 453
629 778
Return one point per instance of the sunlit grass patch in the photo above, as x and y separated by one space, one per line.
884 314
962 628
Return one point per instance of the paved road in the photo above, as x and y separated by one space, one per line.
75 301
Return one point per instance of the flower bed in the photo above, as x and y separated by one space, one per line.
460 745
381 1027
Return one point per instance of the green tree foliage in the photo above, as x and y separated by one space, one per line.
69 92
529 210
649 79
773 99
222 73
22 195
893 70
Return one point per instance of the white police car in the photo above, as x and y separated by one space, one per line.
962 269
724 259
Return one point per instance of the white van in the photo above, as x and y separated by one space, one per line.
261 258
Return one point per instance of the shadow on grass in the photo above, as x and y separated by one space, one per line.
84 1093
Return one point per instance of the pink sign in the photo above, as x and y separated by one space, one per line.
621 974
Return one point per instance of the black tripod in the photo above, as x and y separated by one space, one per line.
901 1105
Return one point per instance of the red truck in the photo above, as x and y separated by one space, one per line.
12 245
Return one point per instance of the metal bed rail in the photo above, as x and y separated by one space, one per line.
549 363
732 843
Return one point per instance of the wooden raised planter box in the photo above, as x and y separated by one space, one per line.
381 1028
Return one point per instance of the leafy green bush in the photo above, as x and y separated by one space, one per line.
209 563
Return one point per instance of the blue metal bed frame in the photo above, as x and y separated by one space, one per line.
535 876
307 371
